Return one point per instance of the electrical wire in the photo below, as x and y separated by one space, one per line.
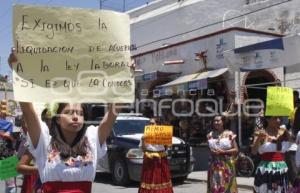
133 3
215 23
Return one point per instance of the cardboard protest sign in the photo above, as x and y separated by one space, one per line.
280 101
158 134
8 167
72 55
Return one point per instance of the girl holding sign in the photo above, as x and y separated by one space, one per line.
271 143
156 177
67 158
223 147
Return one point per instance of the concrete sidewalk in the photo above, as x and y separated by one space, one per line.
243 182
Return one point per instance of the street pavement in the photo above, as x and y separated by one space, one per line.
196 183
243 182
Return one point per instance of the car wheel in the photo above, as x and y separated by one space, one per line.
180 180
120 173
244 166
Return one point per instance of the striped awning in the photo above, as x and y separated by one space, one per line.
194 81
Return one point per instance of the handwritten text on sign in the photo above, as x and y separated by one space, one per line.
158 134
280 101
73 55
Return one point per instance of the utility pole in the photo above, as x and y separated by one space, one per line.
124 2
100 4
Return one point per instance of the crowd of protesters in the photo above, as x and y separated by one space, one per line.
7 147
61 138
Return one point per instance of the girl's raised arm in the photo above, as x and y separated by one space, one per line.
32 121
107 122
31 118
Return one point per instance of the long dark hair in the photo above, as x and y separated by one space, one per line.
58 142
224 120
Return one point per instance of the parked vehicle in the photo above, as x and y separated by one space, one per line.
124 158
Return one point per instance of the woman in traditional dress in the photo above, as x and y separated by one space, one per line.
223 147
296 128
67 158
271 143
156 177
31 181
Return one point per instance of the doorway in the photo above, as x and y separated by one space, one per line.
257 82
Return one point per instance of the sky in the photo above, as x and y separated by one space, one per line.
6 40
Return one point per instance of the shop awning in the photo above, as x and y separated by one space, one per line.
154 75
193 81
273 53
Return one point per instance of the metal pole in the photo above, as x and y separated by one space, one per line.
100 4
284 76
239 108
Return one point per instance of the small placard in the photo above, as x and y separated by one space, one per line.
158 134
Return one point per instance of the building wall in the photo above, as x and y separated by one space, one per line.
214 45
292 76
155 23
167 22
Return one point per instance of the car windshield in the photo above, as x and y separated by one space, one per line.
127 127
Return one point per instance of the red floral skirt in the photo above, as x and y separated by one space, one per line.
67 187
29 184
156 177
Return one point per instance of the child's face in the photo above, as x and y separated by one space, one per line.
71 118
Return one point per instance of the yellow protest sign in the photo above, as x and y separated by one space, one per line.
158 134
72 55
280 101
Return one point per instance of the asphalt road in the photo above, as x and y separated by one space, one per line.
103 183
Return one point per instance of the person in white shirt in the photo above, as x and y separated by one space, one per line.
67 158
271 175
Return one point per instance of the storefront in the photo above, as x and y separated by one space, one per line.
145 86
259 65
189 100
194 97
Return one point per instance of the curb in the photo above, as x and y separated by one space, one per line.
242 186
